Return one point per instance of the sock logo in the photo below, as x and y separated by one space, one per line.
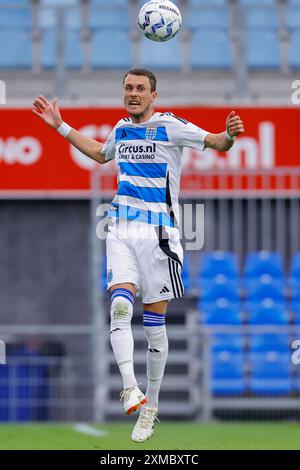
164 290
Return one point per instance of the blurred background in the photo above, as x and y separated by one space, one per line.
231 355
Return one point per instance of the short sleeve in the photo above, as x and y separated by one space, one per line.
109 147
186 134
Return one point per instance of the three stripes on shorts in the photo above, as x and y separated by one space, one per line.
175 276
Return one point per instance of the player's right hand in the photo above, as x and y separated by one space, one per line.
48 112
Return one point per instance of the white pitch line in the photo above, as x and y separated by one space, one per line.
87 429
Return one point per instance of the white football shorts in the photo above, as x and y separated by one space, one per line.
148 256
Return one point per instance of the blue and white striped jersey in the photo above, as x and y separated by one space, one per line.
148 156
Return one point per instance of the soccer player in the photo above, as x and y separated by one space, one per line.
144 254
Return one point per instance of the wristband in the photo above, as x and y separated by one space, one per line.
64 129
229 137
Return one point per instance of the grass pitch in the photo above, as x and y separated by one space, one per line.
172 436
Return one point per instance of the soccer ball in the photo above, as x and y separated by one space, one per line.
159 20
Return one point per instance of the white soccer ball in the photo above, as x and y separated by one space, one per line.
159 20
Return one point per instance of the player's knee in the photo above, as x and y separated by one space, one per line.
121 311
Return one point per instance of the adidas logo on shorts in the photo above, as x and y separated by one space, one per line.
164 290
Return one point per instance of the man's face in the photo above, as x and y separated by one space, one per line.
138 96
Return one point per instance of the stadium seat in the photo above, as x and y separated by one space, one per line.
17 52
273 315
72 44
186 276
266 291
109 18
294 278
269 342
251 284
208 3
295 306
257 2
210 50
268 303
110 2
264 262
227 373
294 2
165 55
294 54
261 18
222 291
48 18
232 342
70 3
292 20
15 2
262 49
270 373
206 283
115 53
219 262
228 315
16 18
207 18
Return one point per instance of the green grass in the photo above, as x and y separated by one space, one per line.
173 436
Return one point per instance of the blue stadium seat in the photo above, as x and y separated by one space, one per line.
274 315
228 373
294 2
253 307
72 44
109 18
292 20
208 18
110 2
270 373
15 2
251 284
16 18
166 55
260 17
222 291
17 52
115 53
228 315
233 343
207 3
206 283
186 276
48 19
70 3
262 49
210 50
219 262
141 2
257 2
294 54
264 262
266 342
73 50
295 310
266 291
295 267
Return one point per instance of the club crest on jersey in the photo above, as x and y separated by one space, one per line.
151 133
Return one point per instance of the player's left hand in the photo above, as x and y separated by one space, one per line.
234 125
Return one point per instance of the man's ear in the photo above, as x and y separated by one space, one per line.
154 95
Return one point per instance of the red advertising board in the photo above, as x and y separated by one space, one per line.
35 159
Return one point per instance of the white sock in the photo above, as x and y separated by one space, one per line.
121 335
155 331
